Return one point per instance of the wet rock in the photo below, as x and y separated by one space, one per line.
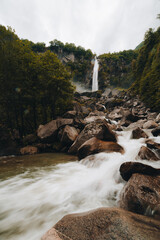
105 224
138 133
70 114
95 116
28 150
127 169
156 131
150 124
115 114
95 145
152 145
140 193
91 119
146 153
139 124
158 118
101 130
100 107
69 135
48 132
155 147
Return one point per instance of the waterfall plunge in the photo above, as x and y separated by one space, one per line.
95 76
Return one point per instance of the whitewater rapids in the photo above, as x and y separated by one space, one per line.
33 201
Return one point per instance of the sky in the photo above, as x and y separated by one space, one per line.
100 25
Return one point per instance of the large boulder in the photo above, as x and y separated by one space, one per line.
48 132
156 131
150 124
105 224
127 169
95 145
141 192
68 135
101 130
153 145
138 133
70 114
146 153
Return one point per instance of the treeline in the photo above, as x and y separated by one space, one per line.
116 69
146 70
34 85
79 65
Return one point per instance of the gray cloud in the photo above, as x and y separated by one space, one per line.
101 25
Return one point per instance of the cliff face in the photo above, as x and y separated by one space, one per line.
116 69
76 59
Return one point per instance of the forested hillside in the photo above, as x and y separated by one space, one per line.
146 70
77 60
116 69
35 87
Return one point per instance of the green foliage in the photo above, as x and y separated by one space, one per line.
147 70
34 87
116 69
82 58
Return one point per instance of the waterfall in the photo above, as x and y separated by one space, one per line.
95 76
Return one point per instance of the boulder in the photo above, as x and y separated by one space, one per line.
138 133
95 145
139 124
105 224
156 131
127 169
69 135
140 193
28 150
70 114
150 124
100 107
146 153
101 130
152 145
158 118
48 132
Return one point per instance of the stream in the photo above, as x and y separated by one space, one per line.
37 191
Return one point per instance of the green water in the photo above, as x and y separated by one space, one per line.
11 166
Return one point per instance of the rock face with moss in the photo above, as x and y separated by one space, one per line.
116 69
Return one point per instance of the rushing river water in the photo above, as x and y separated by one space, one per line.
37 191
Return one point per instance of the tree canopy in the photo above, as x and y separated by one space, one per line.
35 86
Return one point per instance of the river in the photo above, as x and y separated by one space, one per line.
37 191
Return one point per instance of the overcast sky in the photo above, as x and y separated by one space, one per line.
100 25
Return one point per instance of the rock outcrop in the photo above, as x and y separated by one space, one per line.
127 169
138 133
105 224
146 153
95 145
48 132
141 193
100 130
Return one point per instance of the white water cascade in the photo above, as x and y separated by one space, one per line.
33 201
95 76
